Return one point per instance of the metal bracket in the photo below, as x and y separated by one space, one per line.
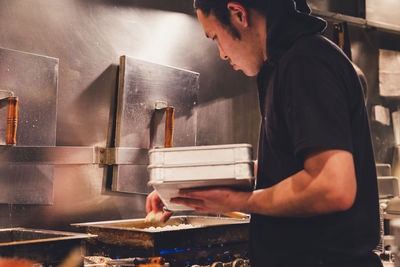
123 156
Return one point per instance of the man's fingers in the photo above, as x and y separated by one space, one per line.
155 204
166 215
148 204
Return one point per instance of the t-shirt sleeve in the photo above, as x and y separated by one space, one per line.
317 107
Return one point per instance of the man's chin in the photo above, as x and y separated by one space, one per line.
249 73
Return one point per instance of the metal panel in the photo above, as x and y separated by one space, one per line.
26 184
389 73
347 7
33 79
383 11
142 85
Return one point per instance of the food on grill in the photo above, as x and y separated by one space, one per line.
153 217
96 260
170 227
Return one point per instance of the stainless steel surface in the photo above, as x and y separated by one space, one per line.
46 247
124 156
393 206
141 85
141 225
388 187
135 232
5 94
383 169
49 155
22 236
389 73
383 11
355 8
33 79
356 21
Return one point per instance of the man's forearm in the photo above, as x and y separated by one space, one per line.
307 194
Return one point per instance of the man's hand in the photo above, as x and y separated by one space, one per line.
215 201
154 203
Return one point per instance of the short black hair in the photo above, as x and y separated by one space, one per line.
219 9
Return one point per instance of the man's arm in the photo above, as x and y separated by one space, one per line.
326 184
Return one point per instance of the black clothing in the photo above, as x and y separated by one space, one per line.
311 98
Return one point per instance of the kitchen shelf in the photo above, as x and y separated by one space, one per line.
355 21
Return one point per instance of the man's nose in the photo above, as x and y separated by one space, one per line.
222 54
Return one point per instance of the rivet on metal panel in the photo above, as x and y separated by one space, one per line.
160 104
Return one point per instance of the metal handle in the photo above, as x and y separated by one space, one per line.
169 127
12 120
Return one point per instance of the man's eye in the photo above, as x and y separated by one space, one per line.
214 38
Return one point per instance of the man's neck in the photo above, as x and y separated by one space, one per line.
259 24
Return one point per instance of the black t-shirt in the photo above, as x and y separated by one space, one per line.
312 99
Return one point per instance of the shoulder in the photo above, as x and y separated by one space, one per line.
316 57
316 46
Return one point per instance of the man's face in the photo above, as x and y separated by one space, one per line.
241 53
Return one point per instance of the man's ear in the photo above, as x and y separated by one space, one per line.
238 13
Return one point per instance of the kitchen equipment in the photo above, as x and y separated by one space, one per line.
142 85
383 169
203 238
172 169
12 116
388 186
42 246
389 74
34 79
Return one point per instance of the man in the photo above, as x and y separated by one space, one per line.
316 200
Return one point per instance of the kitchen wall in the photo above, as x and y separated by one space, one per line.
88 37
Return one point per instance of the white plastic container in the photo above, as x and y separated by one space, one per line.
177 168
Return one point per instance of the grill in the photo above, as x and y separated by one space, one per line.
43 246
210 240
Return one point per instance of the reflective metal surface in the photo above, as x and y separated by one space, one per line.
142 86
33 79
21 236
352 8
136 233
383 11
46 247
389 74
124 156
49 155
